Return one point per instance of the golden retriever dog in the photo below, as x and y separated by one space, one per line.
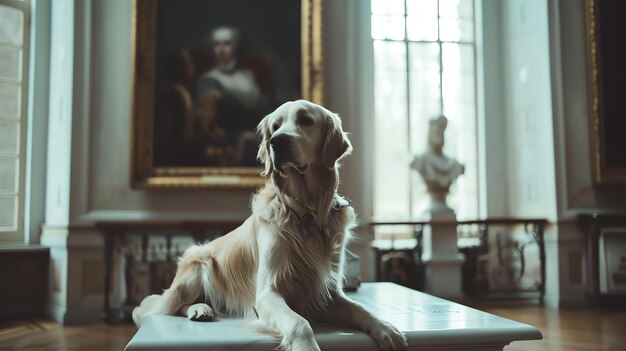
283 265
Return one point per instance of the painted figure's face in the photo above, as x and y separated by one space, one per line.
224 45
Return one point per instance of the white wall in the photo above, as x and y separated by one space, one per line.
516 152
528 109
60 113
349 89
576 190
492 146
37 133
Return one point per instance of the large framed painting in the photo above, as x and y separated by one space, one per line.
205 73
606 57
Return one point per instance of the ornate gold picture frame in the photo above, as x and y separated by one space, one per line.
606 55
204 73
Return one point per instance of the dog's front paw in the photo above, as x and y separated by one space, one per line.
200 312
389 338
301 338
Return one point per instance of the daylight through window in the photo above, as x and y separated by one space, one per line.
13 40
424 65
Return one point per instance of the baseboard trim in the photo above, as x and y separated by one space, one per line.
83 315
78 315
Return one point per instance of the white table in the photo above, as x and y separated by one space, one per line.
430 323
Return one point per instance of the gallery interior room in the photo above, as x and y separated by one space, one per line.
312 174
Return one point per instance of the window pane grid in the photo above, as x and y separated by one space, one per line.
388 7
10 100
9 137
424 41
442 21
8 213
14 40
12 31
391 62
440 79
10 63
9 168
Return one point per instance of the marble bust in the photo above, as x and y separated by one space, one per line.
437 170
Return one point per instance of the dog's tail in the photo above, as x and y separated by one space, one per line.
193 281
148 306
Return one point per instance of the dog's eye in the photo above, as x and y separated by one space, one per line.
275 126
304 121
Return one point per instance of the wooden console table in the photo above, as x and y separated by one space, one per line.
114 231
474 284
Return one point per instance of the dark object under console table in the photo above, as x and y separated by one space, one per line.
595 225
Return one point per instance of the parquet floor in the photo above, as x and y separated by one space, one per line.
563 330
47 335
570 329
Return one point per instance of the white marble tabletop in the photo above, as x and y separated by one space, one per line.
430 323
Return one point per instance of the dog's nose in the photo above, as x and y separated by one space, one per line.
279 141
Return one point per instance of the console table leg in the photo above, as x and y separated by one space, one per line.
108 257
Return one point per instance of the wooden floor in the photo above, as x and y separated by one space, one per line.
46 335
571 330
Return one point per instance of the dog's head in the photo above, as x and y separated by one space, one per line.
299 135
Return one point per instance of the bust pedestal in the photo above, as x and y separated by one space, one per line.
441 254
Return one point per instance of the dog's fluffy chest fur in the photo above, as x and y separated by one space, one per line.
305 260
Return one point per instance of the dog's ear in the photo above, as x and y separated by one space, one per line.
264 133
336 144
